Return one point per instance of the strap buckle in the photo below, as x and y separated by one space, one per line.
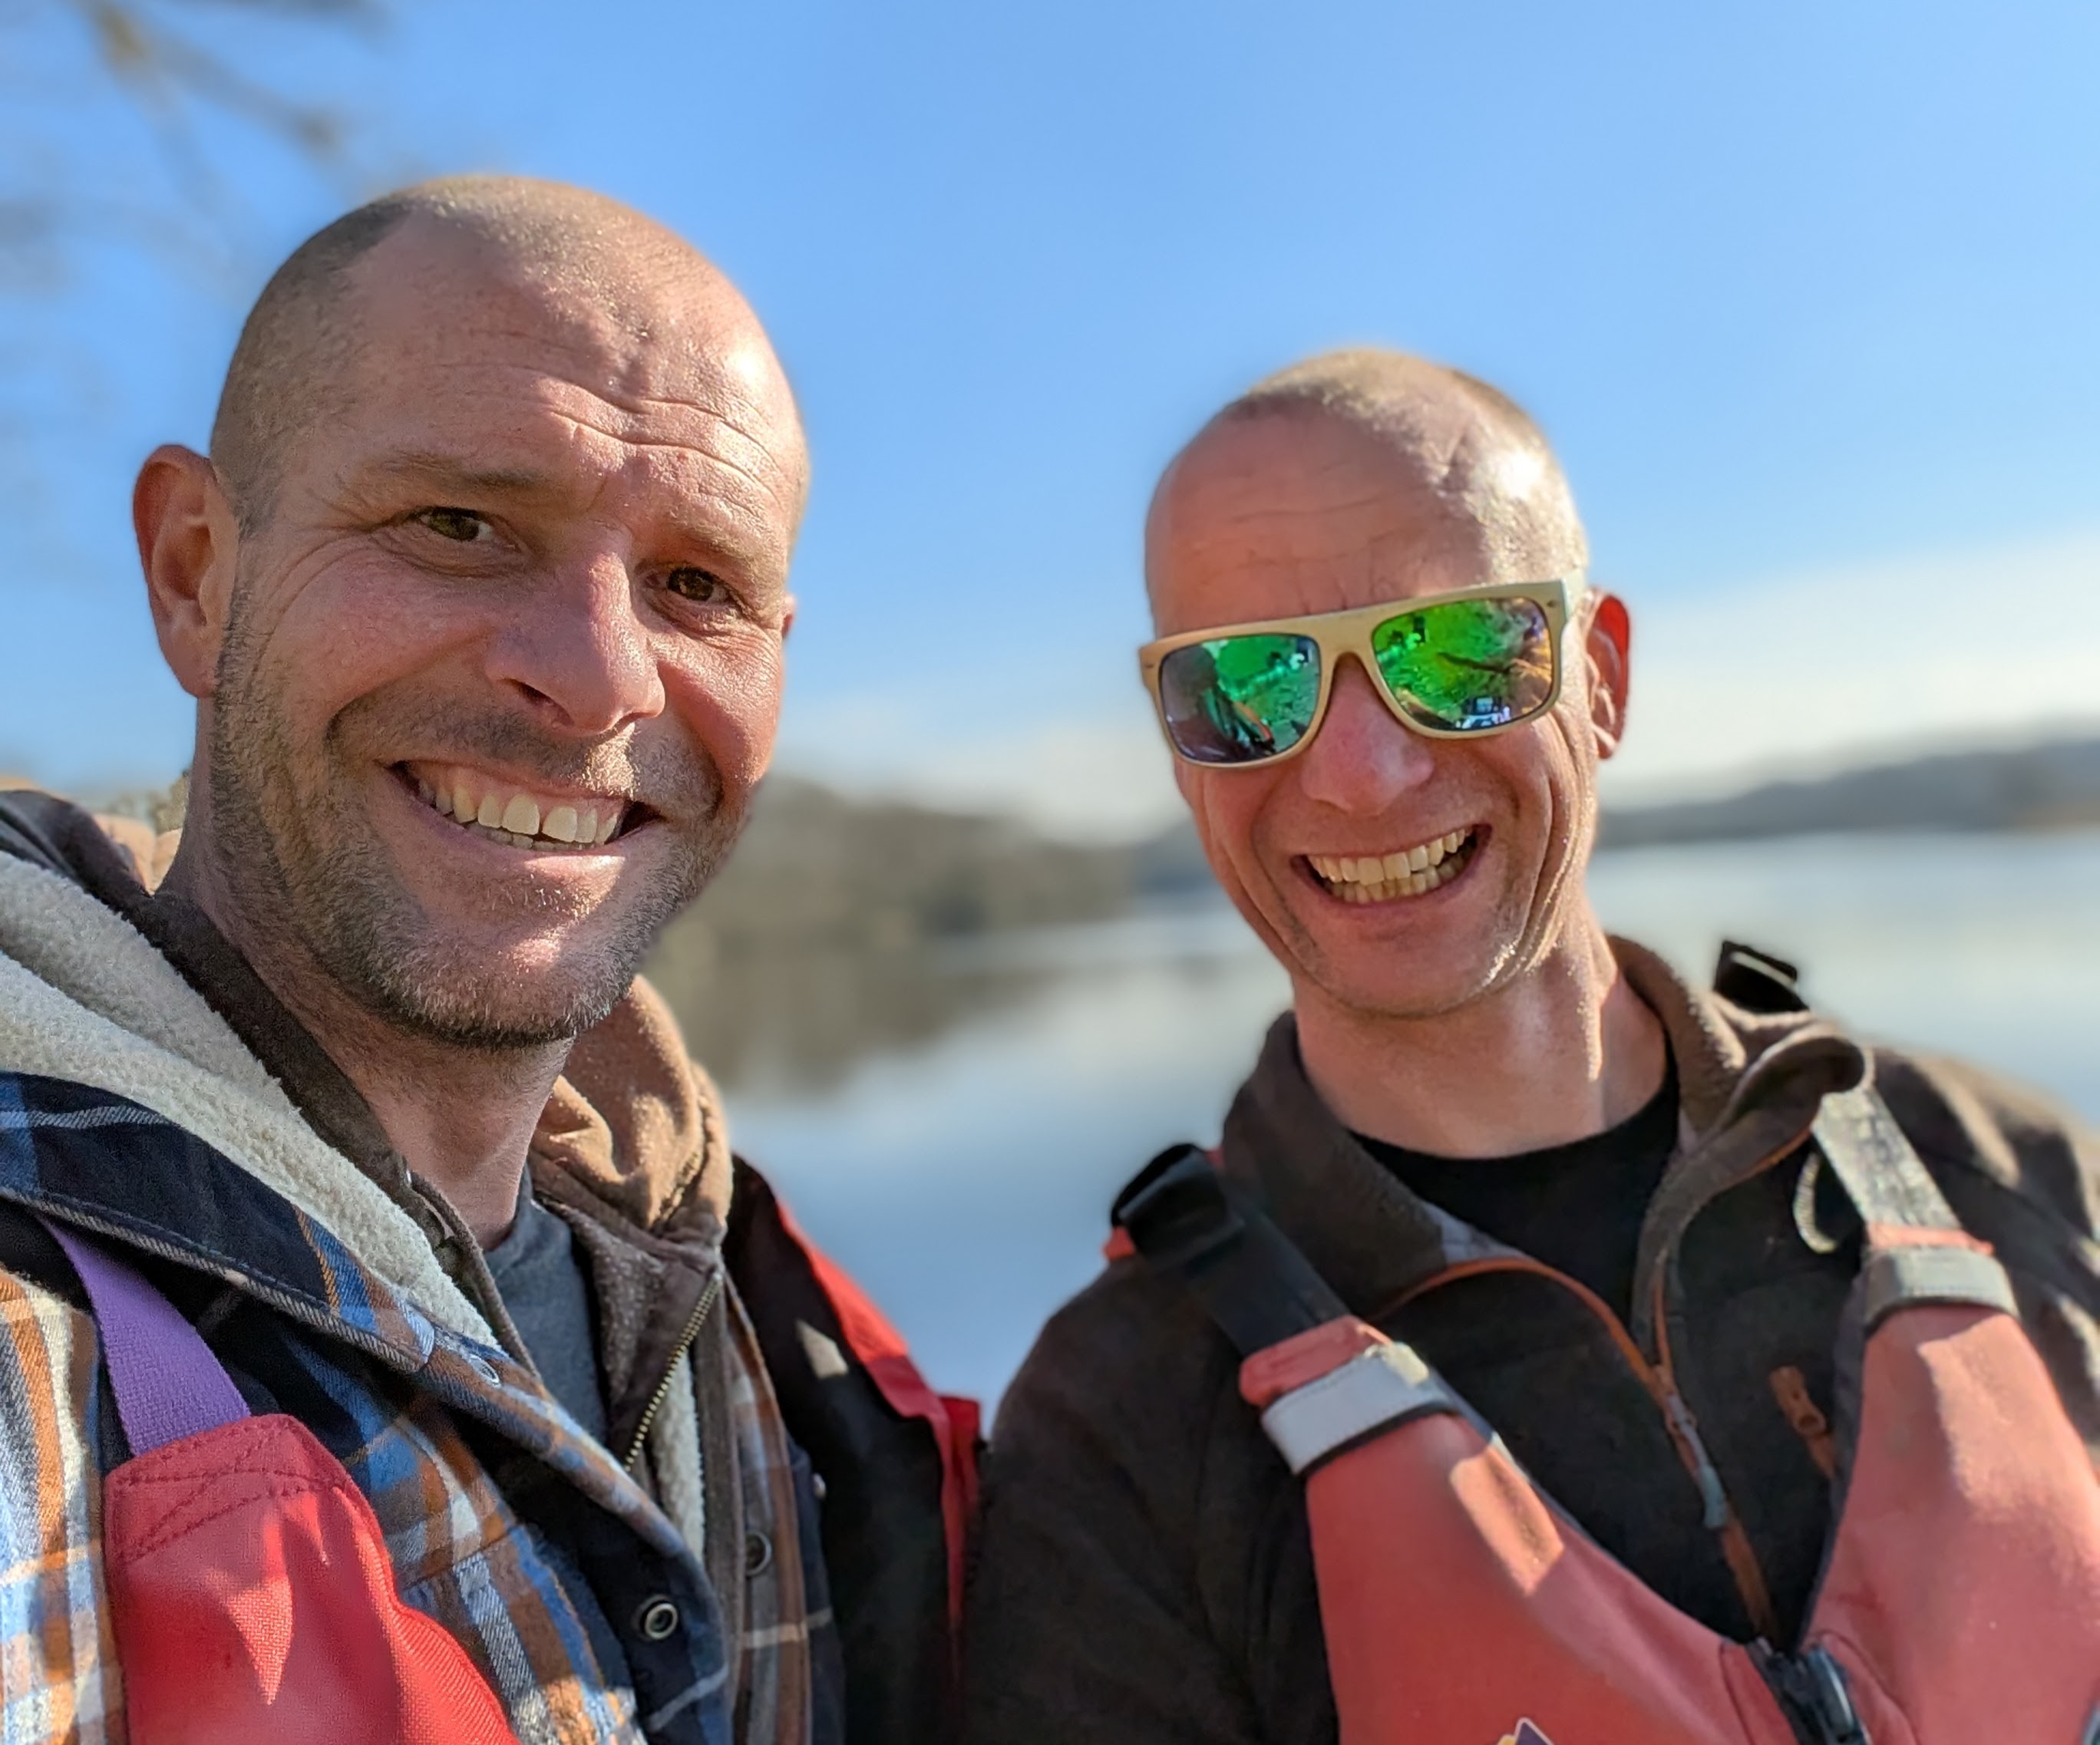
1192 1224
1814 1686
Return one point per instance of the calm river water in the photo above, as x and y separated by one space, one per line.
965 1175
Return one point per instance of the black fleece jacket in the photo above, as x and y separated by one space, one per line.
1146 1573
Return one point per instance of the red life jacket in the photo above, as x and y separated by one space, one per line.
250 1587
1960 1602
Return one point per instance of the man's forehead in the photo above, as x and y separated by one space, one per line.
510 374
1311 458
1296 510
680 341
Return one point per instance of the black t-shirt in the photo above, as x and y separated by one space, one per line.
1577 1207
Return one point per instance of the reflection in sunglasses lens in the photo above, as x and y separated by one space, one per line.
1239 699
1468 664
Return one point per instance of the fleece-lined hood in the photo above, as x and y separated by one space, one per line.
85 998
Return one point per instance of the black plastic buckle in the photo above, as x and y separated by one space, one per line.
1829 1699
1176 1210
1757 980
1192 1224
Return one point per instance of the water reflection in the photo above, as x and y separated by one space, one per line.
798 1022
952 1123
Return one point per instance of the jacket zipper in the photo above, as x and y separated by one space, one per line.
701 1311
1721 1518
1717 1513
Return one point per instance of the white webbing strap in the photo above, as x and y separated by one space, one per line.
1900 1278
1375 1390
1876 1164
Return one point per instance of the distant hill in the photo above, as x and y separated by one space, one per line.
818 868
827 934
2049 786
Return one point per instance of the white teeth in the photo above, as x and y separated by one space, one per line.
1405 872
519 819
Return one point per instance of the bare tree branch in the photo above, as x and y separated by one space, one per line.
170 63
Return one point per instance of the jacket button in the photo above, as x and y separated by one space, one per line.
757 1554
656 1620
481 1367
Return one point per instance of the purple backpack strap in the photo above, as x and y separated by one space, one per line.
167 1383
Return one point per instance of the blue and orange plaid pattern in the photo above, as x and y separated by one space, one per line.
546 1578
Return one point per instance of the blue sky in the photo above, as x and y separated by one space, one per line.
1806 295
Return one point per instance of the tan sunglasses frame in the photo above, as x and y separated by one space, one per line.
1349 632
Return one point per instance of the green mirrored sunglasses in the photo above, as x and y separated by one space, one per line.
1452 666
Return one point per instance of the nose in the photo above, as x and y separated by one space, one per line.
1361 761
577 652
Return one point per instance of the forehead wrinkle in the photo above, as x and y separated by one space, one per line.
712 462
675 363
1246 514
747 457
736 513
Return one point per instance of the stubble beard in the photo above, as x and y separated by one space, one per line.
1508 943
298 855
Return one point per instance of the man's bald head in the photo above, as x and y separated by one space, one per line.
575 251
1468 447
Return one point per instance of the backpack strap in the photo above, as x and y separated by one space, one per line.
1323 1381
167 1383
1916 1250
1193 1225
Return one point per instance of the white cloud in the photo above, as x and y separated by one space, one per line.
1831 666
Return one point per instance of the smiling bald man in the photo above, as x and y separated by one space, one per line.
481 593
1498 1175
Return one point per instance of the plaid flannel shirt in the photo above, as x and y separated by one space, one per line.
573 1592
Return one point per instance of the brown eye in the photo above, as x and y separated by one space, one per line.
702 587
462 525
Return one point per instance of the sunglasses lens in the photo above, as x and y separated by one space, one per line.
1468 665
1240 699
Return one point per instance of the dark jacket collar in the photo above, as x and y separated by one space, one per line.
1749 1087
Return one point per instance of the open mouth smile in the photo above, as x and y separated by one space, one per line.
1404 872
523 817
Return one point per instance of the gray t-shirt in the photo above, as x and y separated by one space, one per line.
542 1276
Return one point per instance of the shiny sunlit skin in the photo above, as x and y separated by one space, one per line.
547 542
1407 1007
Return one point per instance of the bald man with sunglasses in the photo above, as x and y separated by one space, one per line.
1582 1190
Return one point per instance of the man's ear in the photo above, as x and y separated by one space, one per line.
189 547
1610 649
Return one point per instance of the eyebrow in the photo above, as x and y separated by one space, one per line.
450 473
